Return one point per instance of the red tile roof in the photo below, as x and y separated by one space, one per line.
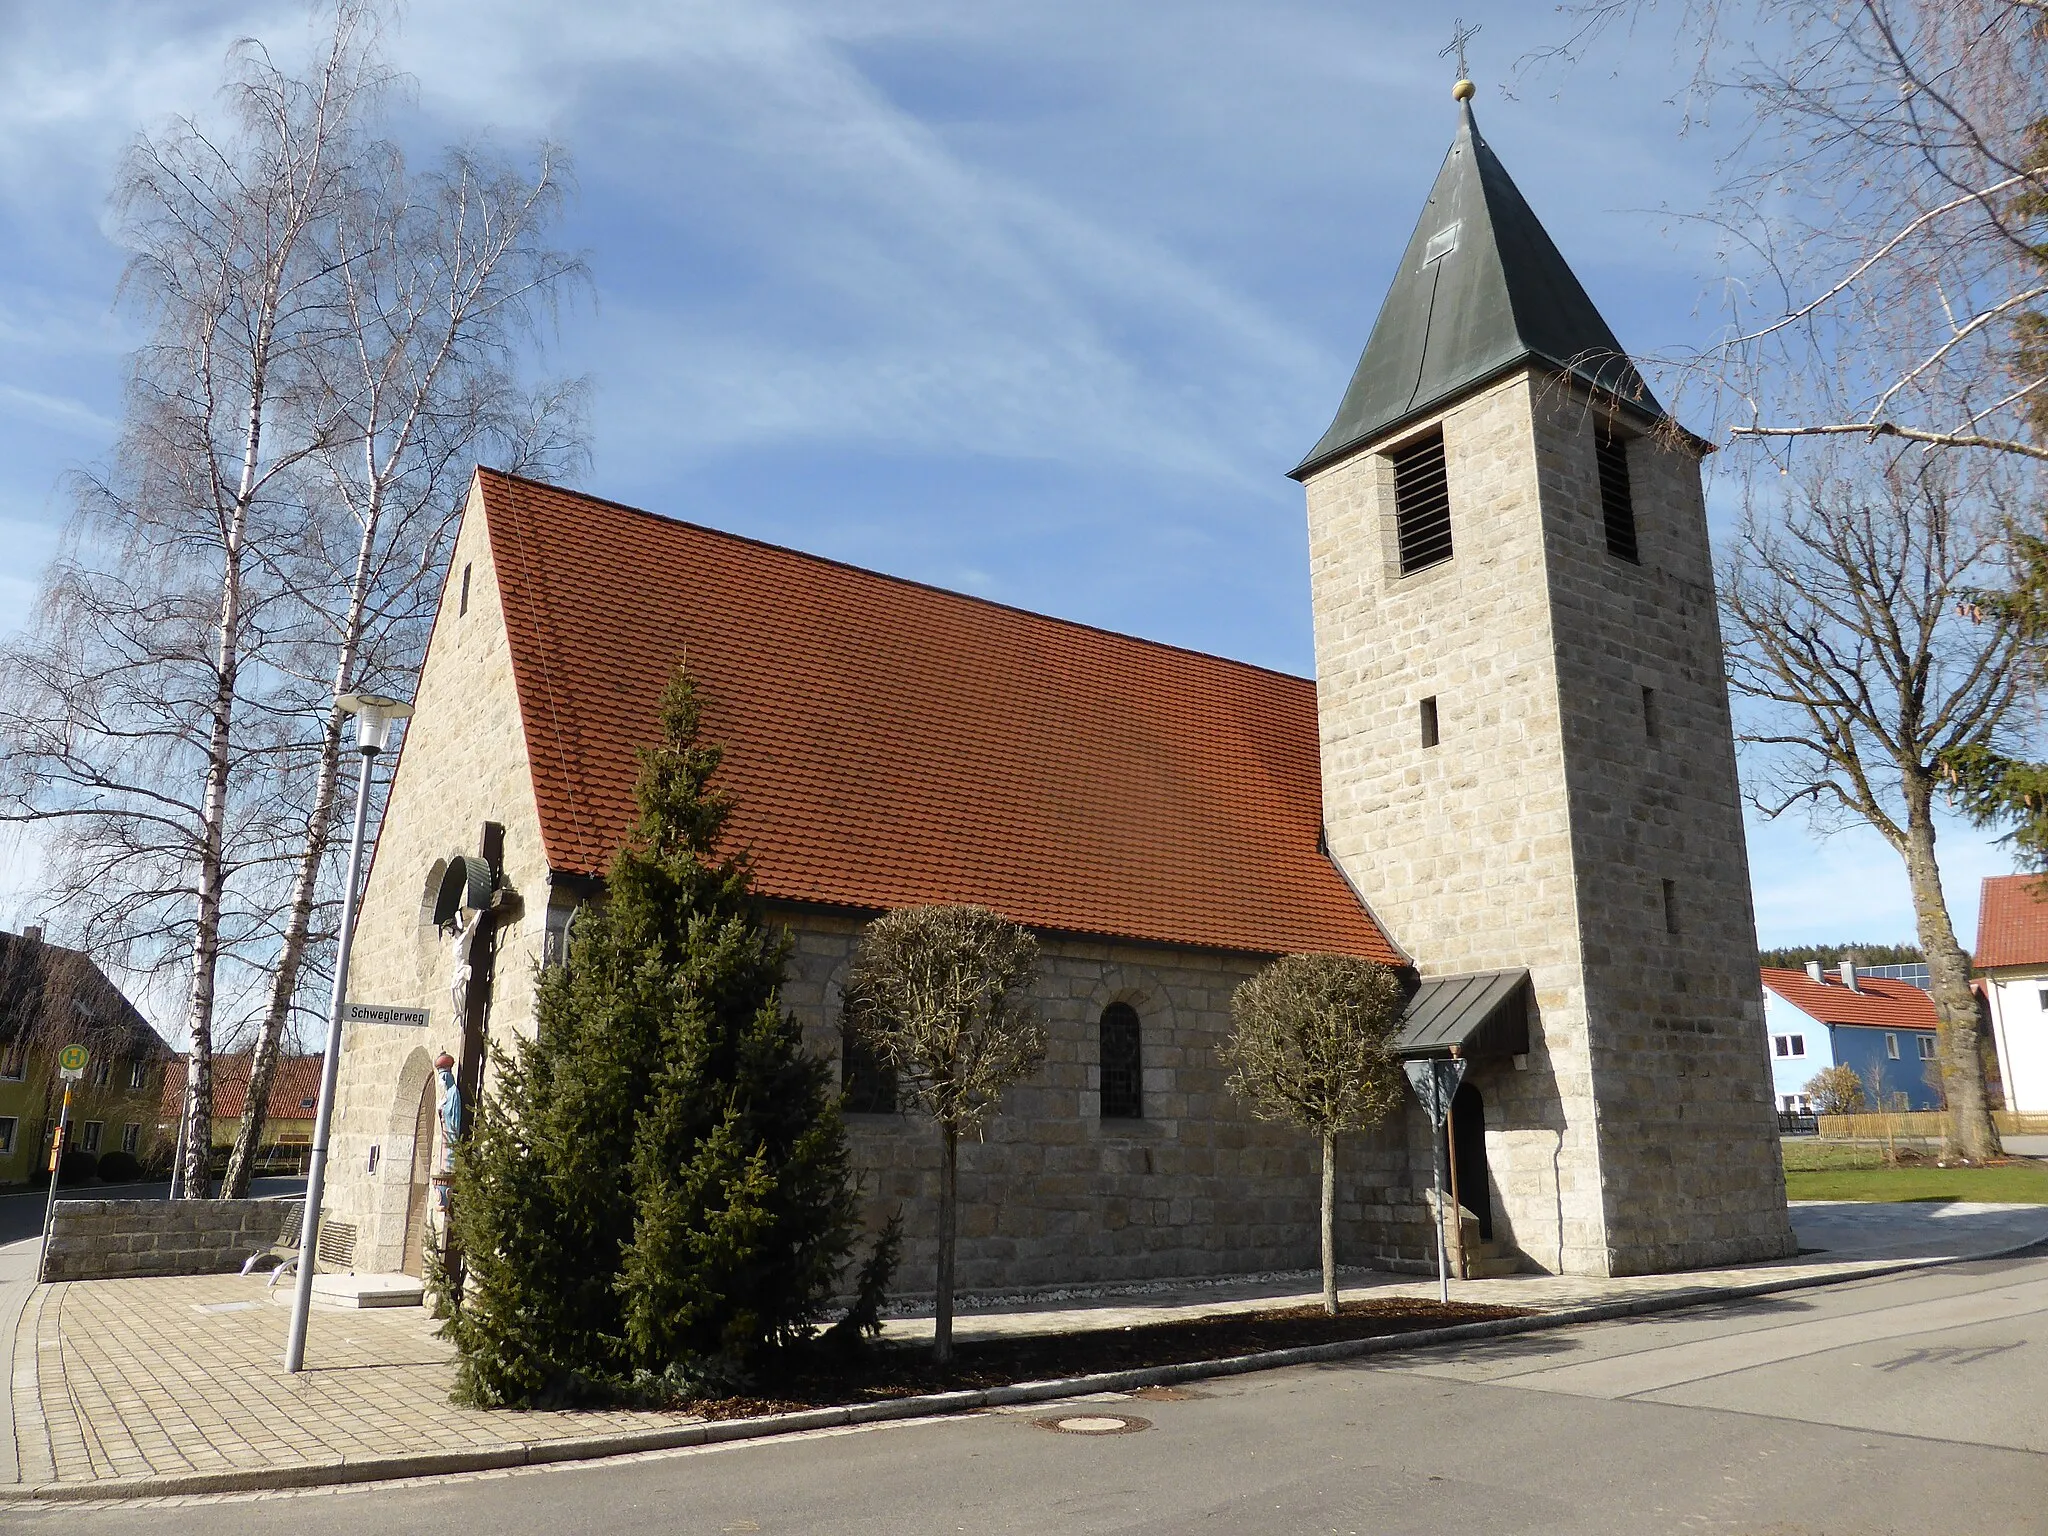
293 1091
889 744
1879 1002
2012 922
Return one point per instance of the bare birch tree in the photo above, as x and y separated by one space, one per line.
438 280
140 752
1885 219
1846 635
941 993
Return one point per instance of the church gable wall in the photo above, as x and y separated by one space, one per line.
464 763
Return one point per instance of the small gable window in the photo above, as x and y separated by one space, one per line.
1617 505
1123 1081
1422 504
462 602
1791 1045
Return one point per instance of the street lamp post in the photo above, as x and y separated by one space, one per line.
374 716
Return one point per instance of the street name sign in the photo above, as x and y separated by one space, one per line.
378 1013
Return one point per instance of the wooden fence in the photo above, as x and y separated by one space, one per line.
1928 1124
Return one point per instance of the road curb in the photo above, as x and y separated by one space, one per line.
374 1469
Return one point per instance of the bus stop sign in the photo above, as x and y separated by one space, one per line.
71 1063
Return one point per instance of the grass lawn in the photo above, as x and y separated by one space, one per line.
1818 1170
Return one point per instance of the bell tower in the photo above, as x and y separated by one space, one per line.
1527 756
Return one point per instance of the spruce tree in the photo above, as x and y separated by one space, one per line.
656 1191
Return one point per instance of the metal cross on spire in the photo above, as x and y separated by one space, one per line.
1460 36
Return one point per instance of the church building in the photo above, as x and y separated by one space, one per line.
1512 778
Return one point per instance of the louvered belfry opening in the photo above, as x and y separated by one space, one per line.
1617 505
1422 504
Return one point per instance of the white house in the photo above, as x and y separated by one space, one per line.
2012 978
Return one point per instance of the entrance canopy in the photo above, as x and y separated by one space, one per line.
1484 1014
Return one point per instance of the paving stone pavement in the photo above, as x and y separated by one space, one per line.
167 1376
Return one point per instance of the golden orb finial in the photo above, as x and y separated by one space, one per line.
1464 90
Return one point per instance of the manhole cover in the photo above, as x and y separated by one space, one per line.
1094 1423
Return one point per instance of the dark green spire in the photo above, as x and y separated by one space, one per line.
1481 289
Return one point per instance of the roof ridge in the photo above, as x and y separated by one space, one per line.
901 581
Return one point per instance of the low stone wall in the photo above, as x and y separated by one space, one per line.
119 1239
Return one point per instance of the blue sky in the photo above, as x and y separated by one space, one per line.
1034 300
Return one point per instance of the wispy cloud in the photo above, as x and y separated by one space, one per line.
57 411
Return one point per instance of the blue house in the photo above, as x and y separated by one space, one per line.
1884 1028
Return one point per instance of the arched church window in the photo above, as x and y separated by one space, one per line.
866 1078
1122 1058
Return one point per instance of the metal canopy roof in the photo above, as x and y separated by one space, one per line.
1486 1014
1481 290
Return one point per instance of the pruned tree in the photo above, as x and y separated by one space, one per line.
1309 1046
1836 1090
1862 677
942 994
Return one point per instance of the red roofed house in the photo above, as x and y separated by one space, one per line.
1883 1028
2011 967
287 1118
1512 778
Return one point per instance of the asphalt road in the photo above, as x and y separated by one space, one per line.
21 1215
1912 1405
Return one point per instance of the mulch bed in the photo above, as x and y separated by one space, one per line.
902 1370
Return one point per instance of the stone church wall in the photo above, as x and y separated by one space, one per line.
1057 1194
1054 1195
463 763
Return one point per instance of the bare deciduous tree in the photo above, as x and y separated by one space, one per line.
1309 1047
1845 636
1883 219
148 624
940 992
437 281
334 341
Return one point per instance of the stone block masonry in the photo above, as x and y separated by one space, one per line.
128 1239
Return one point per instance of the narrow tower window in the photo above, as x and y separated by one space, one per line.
1671 906
1617 506
1422 504
462 604
1653 728
1429 730
1123 1083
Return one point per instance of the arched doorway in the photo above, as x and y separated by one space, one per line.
1467 1135
414 1263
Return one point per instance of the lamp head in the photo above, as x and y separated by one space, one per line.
374 714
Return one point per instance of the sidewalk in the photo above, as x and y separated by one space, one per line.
120 1381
